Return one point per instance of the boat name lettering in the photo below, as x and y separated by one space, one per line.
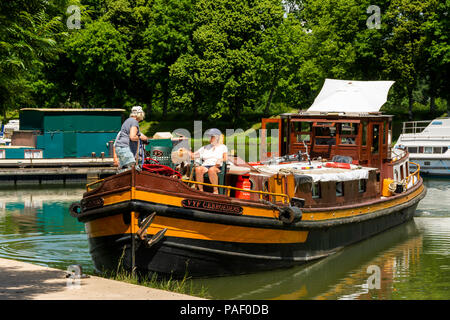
212 206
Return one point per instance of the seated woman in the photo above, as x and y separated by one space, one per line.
212 156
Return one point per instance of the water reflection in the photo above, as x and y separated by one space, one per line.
36 227
329 278
413 259
437 201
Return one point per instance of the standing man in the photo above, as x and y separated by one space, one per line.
126 144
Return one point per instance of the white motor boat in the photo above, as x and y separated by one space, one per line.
428 143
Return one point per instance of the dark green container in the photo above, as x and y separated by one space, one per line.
72 133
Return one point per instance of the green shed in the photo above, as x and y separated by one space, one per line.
72 133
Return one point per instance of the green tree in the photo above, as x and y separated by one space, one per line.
220 72
99 52
339 44
437 52
165 38
404 48
28 36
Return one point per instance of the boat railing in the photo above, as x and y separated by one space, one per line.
229 188
414 177
415 126
89 185
397 154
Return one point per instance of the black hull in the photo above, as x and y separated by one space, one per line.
204 258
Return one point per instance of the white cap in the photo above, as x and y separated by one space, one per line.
137 109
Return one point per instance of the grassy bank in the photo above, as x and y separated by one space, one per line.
182 286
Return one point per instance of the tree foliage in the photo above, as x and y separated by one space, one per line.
218 58
28 37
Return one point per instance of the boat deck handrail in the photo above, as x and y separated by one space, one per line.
92 183
415 126
423 137
229 188
397 154
410 178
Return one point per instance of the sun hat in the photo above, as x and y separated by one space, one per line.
137 109
213 132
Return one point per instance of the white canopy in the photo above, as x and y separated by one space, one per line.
351 96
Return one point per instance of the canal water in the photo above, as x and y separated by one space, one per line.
411 261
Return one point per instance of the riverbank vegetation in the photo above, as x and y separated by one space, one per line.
182 286
153 280
226 62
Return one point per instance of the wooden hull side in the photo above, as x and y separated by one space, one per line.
178 253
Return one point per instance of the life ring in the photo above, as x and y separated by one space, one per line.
339 165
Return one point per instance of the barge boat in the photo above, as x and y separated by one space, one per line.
331 184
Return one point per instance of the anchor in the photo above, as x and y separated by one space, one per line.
142 235
142 232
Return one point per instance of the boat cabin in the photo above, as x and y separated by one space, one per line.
365 138
325 157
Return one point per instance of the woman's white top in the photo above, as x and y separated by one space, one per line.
210 154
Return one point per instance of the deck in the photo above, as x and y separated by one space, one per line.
43 171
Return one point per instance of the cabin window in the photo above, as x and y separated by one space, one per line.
389 137
303 137
428 150
339 189
396 175
2 154
437 149
412 149
444 149
325 133
384 132
315 190
303 126
302 131
364 134
362 185
402 174
426 163
33 154
375 138
420 149
348 133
